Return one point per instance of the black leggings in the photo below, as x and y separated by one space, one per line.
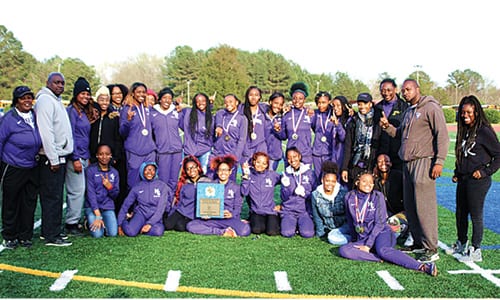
270 224
175 221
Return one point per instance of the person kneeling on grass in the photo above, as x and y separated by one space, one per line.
373 239
328 206
103 186
231 225
151 198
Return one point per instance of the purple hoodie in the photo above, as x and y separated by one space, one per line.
80 127
291 203
303 142
234 136
260 188
165 126
322 127
97 196
132 131
197 144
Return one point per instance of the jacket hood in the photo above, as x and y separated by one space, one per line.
48 92
427 99
143 166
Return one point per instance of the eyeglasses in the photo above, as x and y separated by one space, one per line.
192 168
224 170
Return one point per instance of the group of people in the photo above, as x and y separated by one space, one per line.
125 165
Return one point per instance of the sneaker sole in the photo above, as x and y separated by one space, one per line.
430 259
58 245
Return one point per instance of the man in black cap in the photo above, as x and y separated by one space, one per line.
361 141
57 144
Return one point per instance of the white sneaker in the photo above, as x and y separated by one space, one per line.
409 241
472 255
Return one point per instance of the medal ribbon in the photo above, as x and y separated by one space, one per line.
226 129
256 116
296 126
360 216
323 128
143 116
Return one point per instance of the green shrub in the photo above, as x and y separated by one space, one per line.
450 115
492 115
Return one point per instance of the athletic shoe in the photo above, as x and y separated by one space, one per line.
62 235
413 249
74 229
229 232
430 268
26 243
428 256
472 255
58 242
10 244
457 248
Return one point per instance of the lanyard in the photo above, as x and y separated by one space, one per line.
360 215
143 116
226 128
323 128
294 125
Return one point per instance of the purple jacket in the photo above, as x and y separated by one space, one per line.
187 198
303 142
196 144
259 128
19 142
132 131
232 199
97 196
235 128
291 203
323 128
274 144
374 220
166 130
151 199
80 127
338 139
260 188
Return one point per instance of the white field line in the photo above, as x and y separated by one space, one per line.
281 279
172 282
390 281
61 282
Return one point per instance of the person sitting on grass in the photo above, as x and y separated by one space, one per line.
103 186
297 183
231 225
258 184
328 207
151 197
373 239
183 206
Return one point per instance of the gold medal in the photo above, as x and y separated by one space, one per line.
227 138
359 229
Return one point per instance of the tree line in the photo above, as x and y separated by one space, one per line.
222 69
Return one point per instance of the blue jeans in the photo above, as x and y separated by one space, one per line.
110 222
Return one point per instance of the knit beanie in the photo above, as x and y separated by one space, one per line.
101 91
300 87
81 85
164 91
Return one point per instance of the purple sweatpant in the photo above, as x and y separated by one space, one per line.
169 165
289 224
382 250
217 227
133 226
134 163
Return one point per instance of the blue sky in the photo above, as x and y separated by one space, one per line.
362 38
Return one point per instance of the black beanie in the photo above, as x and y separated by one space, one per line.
164 91
81 85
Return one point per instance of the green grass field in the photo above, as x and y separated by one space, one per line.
218 267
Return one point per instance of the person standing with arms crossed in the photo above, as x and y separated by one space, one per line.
424 145
57 145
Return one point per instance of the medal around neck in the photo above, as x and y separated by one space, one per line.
145 132
295 136
253 136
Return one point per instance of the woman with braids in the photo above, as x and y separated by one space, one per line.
255 112
342 113
183 206
198 127
477 152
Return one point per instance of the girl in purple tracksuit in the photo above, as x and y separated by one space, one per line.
322 126
258 184
103 186
198 127
296 124
183 206
255 112
135 128
273 116
341 109
230 225
231 129
19 145
373 239
151 198
165 121
297 183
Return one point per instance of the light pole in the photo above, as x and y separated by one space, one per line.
317 85
188 83
418 67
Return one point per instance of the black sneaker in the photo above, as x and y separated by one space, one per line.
428 256
61 235
413 249
74 229
10 244
26 243
58 242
